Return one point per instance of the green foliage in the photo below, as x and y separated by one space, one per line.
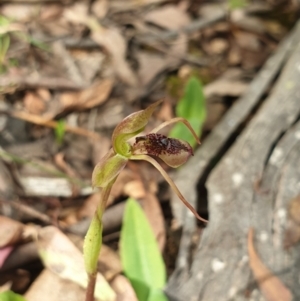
4 43
11 296
235 4
60 131
173 86
192 108
38 44
140 255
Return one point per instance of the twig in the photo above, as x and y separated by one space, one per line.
50 123
28 210
55 83
194 26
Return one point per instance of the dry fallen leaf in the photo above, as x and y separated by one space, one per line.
168 16
135 189
123 288
62 258
109 38
271 286
109 263
292 232
294 209
34 104
154 214
89 206
100 8
88 98
10 231
112 40
225 87
43 289
150 65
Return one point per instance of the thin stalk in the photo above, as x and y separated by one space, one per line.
91 287
93 243
174 120
171 183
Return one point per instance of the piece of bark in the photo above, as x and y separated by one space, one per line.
267 152
197 166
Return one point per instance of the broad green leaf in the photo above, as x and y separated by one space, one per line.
157 295
11 296
140 255
192 108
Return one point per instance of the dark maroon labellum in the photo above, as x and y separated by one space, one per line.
158 144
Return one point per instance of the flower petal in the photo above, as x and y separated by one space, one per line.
173 152
108 169
130 127
171 183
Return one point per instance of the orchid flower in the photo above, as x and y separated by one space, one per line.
174 152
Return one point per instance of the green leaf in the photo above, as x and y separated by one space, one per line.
140 255
192 108
11 296
157 295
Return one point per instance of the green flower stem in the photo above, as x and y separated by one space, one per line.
171 183
93 242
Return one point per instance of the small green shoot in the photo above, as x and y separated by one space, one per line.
236 4
192 108
11 296
5 39
141 259
60 131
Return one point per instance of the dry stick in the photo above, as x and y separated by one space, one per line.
217 139
36 1
55 83
189 29
28 210
146 38
150 39
51 123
